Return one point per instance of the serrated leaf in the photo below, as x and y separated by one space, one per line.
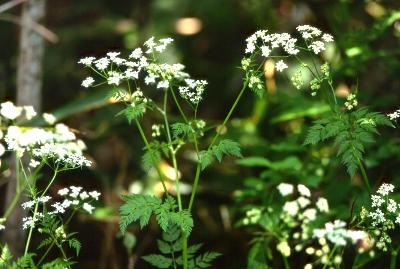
158 261
137 207
172 233
75 244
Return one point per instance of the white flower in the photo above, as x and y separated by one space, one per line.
9 111
114 78
63 191
284 248
317 46
398 219
163 84
285 189
28 205
87 82
113 55
308 266
392 206
280 66
385 189
378 217
49 118
83 195
395 115
150 79
86 61
265 51
130 73
74 191
2 227
2 150
102 63
327 38
89 208
58 208
44 199
377 200
29 112
310 214
95 194
136 53
292 208
322 205
303 202
303 190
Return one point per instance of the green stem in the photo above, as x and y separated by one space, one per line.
330 257
160 174
28 241
365 177
173 152
54 240
214 139
175 165
285 262
393 259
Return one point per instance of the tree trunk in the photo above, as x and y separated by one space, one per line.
29 84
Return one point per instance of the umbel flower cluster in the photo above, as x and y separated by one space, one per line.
264 43
74 198
296 227
382 217
56 144
143 64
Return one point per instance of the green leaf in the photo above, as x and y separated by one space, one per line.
225 147
254 162
133 112
137 207
158 261
180 129
151 158
171 234
204 261
184 220
75 244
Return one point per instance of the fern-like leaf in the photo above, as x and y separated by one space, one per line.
226 147
137 207
158 261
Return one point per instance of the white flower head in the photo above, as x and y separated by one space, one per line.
291 208
86 61
9 111
87 82
280 66
303 190
49 118
385 189
284 248
322 205
285 189
29 112
87 207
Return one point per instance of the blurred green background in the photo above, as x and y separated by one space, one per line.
210 38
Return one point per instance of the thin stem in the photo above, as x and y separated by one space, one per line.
28 241
393 259
330 257
196 145
173 152
214 139
365 177
160 174
54 240
333 91
285 262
